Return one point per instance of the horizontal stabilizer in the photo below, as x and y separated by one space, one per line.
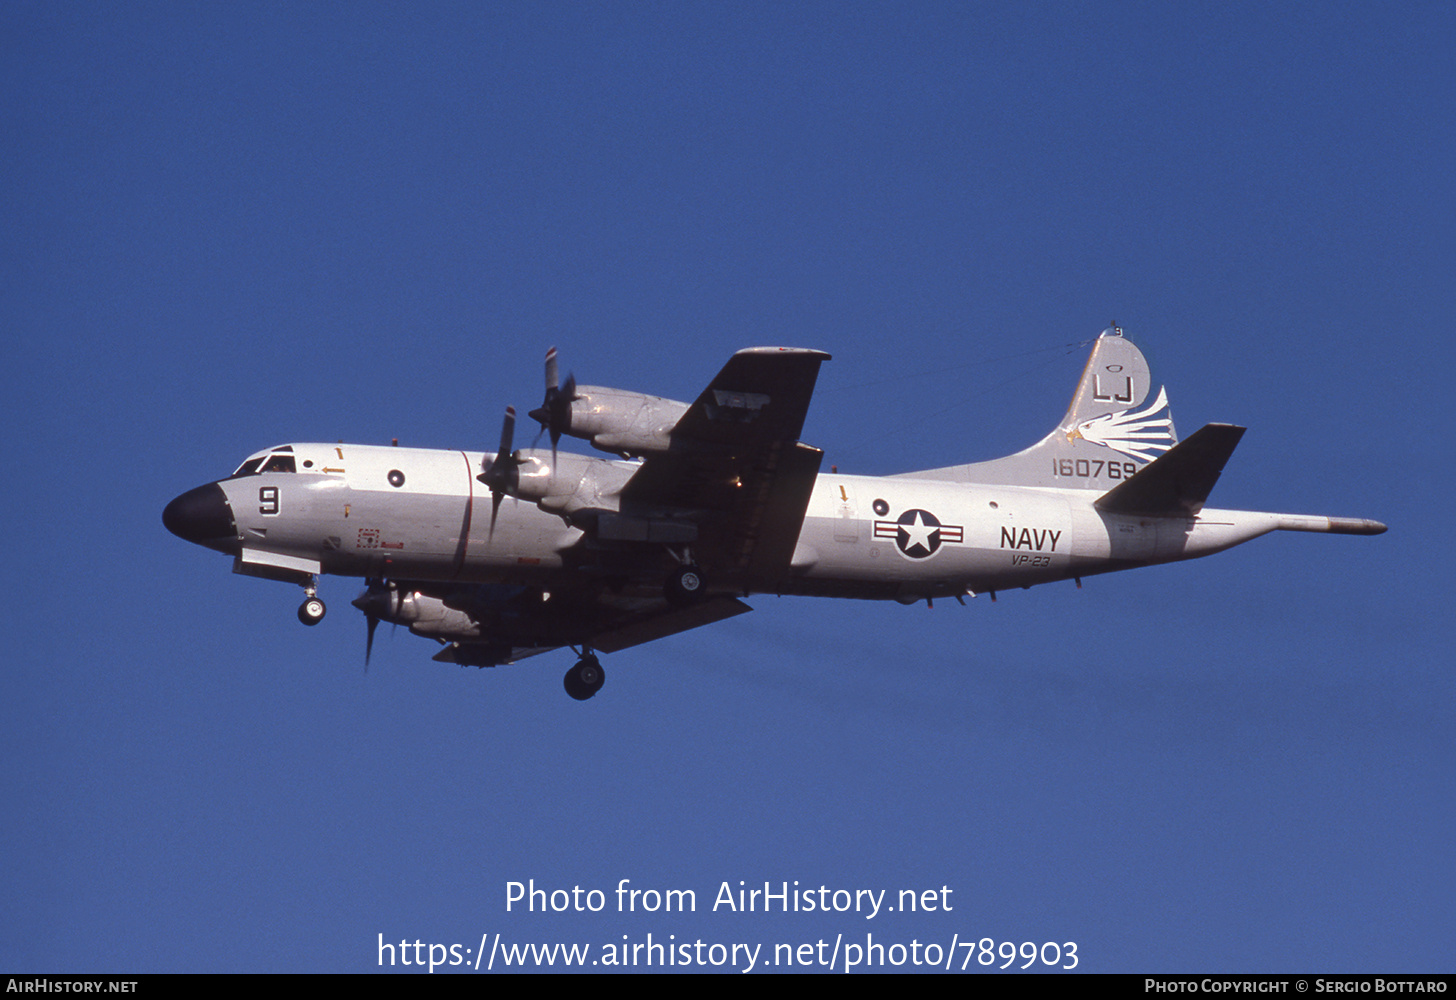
1178 482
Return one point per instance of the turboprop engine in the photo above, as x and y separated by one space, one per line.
564 485
623 423
386 600
629 424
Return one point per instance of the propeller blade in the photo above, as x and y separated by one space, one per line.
497 472
495 501
379 596
501 474
554 413
508 433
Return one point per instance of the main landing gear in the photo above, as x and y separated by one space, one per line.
586 678
684 586
312 610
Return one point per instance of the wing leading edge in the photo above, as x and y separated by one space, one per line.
610 633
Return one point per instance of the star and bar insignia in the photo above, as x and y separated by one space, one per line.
918 534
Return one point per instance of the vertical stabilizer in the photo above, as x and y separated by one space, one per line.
1118 422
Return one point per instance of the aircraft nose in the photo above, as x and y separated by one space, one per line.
203 516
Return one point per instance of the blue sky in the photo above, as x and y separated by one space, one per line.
227 228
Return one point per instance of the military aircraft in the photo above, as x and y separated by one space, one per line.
500 556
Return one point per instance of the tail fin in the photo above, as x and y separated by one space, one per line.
1115 425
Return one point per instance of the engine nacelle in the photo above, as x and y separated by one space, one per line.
561 488
429 616
538 481
624 423
575 483
422 614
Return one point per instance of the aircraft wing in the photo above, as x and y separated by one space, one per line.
459 653
736 468
603 626
650 626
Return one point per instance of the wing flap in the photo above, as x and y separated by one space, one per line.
1178 482
770 529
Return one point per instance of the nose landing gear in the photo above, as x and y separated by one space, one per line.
312 610
586 678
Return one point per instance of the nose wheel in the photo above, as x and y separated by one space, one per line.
586 678
312 610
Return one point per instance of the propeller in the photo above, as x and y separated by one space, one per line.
378 600
554 413
371 622
503 472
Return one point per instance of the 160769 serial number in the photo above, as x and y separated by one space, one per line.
1092 468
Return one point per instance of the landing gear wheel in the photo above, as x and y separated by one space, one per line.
684 586
311 611
585 679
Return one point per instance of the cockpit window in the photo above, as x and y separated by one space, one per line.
279 460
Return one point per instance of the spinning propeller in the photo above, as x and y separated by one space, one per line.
554 413
380 598
503 473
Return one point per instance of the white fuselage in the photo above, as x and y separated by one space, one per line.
410 513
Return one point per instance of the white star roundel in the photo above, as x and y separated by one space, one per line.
918 534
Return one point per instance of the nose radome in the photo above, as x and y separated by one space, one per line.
203 516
